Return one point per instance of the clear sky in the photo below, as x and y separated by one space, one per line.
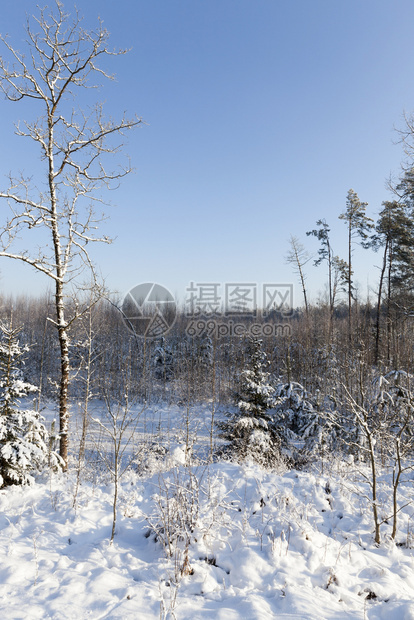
260 116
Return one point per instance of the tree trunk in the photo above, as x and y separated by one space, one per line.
388 318
395 482
116 482
59 303
64 381
331 295
378 321
350 281
374 489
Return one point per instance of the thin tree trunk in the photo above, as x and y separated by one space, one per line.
85 412
350 282
378 321
396 481
213 404
388 318
305 298
116 481
331 296
374 489
42 359
298 258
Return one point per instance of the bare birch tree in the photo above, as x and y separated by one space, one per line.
62 60
298 257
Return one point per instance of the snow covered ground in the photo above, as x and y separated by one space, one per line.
244 544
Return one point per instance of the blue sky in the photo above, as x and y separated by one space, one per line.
260 116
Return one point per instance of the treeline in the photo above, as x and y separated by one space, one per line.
318 351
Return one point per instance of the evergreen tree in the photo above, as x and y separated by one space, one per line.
359 225
24 440
296 414
338 269
394 235
251 430
302 421
205 352
394 232
163 361
324 254
401 227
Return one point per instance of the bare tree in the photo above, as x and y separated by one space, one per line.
298 257
74 145
363 419
119 427
87 362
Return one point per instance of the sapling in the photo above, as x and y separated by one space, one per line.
366 424
119 426
88 358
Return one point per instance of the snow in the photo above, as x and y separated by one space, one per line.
245 543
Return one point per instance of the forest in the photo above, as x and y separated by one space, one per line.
199 471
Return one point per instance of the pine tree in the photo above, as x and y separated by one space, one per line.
302 421
24 440
400 228
338 269
251 430
324 254
394 235
163 361
359 225
205 352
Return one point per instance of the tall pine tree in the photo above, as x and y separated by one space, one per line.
359 225
394 234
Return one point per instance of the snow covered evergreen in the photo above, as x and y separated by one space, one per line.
302 421
205 352
24 439
163 361
251 430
